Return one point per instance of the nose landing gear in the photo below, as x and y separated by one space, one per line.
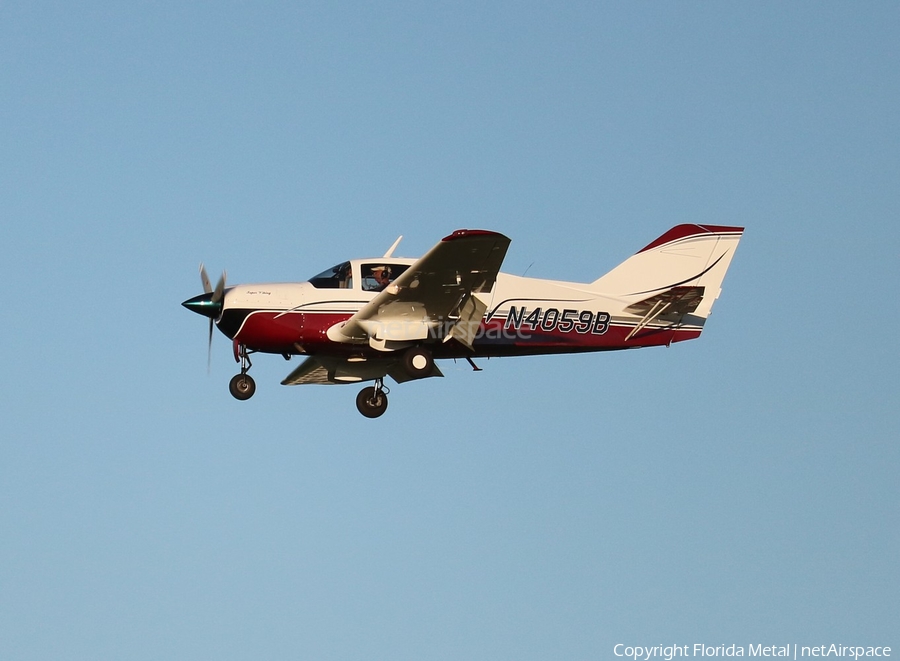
372 401
242 386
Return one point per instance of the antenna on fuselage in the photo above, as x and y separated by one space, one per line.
390 252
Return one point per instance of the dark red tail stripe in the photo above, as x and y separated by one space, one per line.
684 231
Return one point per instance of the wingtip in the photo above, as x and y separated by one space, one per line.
465 233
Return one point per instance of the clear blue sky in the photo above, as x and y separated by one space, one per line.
738 489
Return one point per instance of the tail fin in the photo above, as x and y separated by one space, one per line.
683 268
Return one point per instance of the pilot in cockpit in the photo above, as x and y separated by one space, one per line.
381 276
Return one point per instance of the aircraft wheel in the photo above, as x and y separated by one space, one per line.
418 362
242 386
371 402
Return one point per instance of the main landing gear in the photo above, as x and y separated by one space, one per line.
372 401
242 386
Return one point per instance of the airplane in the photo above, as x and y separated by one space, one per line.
366 319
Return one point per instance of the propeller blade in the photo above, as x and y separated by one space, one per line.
209 347
209 304
220 289
207 288
217 296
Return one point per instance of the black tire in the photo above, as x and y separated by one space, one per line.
418 362
242 386
371 402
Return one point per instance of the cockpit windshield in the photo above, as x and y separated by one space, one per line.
337 277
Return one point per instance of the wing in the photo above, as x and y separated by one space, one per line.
324 370
434 298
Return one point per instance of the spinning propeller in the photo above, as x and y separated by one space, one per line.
209 304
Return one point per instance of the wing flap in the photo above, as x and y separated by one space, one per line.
464 330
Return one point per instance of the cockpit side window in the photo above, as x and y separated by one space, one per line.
375 277
337 277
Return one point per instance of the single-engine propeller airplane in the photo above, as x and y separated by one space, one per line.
365 319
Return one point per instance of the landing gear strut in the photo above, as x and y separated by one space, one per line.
242 386
372 401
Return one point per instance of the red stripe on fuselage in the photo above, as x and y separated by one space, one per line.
494 335
277 332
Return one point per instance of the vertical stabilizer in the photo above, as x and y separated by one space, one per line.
687 257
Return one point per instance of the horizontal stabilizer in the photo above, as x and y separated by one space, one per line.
675 302
670 306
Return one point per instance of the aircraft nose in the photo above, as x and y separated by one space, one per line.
203 304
